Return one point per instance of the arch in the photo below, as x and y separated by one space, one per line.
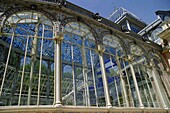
159 57
112 56
79 51
65 21
12 11
122 43
26 23
143 50
31 31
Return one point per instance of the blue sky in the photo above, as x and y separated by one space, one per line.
144 9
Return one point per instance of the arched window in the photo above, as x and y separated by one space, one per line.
162 75
113 59
81 72
157 60
113 45
27 35
143 77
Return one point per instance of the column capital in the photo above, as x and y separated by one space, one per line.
57 70
58 31
129 58
59 36
148 65
151 63
100 48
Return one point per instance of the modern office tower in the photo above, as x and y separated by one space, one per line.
58 57
127 20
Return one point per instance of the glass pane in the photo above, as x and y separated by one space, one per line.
30 58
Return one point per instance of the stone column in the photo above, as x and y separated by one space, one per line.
135 81
149 72
166 81
104 77
160 89
57 66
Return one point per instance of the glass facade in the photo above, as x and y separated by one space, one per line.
46 62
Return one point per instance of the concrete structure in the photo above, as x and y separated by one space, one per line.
57 57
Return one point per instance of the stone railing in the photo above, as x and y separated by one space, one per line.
80 109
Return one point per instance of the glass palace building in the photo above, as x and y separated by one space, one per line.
58 57
127 19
